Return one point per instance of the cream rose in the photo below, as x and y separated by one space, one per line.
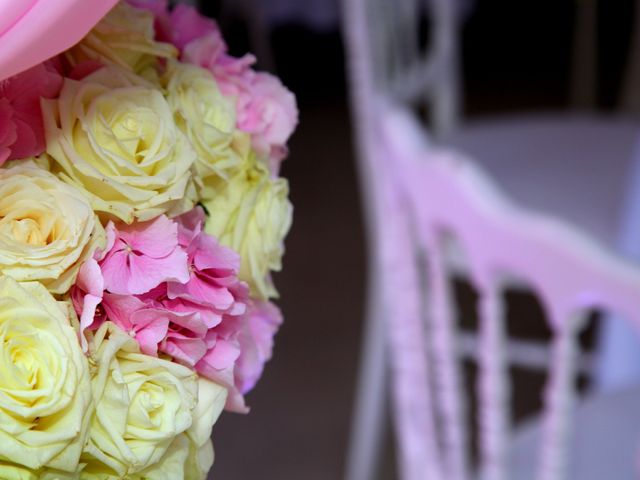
14 472
47 228
142 404
172 466
251 213
45 391
211 400
124 37
113 136
207 118
190 456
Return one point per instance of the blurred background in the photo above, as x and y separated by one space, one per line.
516 56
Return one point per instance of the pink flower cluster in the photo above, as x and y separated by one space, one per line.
175 290
265 108
21 128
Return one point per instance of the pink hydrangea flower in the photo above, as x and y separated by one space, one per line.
210 51
86 296
142 318
216 292
265 108
195 318
260 325
218 364
142 255
21 127
188 25
178 26
213 270
267 111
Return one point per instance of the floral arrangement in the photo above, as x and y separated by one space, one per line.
141 214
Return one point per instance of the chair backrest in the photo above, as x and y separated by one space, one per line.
418 198
444 196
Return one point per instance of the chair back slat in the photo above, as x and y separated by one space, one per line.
411 378
559 398
444 94
445 364
493 387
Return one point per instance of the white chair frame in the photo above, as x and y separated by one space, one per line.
570 275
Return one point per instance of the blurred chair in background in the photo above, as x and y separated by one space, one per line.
422 200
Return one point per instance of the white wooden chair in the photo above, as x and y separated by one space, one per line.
418 197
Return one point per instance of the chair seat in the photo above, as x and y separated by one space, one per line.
603 445
575 167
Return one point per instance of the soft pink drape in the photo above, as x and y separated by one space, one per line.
33 30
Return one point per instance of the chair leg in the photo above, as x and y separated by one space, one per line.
369 416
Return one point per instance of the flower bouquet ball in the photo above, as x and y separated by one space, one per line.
141 216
